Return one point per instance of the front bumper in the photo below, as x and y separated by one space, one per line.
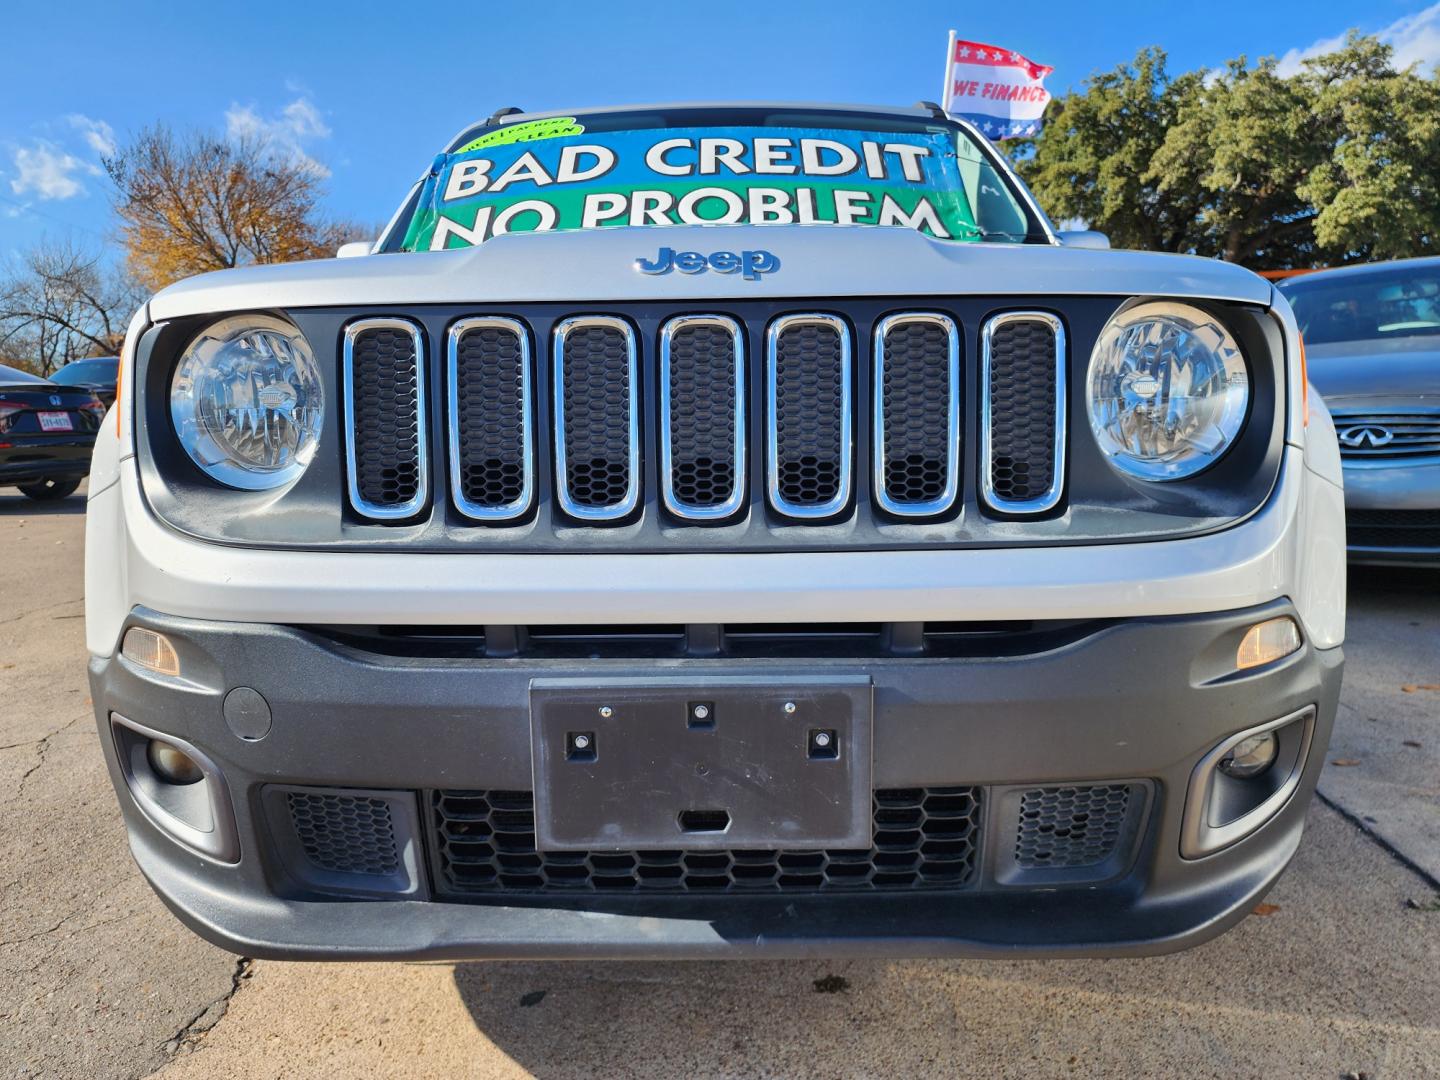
1133 700
1393 512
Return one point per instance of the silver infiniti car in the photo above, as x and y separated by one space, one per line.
1372 338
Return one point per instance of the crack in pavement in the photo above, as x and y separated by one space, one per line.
35 611
203 1022
1380 841
43 933
42 748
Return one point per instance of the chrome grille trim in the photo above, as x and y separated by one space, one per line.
772 464
1050 498
521 505
1414 432
667 442
631 498
952 456
386 511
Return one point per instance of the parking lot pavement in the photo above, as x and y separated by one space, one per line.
1341 974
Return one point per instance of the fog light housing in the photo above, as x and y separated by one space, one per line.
172 764
150 650
1251 756
1266 642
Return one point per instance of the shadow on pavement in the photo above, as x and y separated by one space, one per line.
13 504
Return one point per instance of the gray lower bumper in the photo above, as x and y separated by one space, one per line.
1142 699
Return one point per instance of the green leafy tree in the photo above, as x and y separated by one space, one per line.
1336 163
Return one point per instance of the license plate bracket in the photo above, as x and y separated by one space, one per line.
715 763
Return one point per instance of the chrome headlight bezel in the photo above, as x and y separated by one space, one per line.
1128 396
271 372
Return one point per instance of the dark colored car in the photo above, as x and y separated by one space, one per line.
1372 335
47 433
97 374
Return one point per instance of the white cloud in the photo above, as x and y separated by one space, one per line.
1415 39
285 135
48 171
99 135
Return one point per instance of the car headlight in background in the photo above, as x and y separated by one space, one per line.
247 402
1167 390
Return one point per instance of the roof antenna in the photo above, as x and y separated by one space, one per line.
509 110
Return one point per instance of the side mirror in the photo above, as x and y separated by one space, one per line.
355 248
1084 238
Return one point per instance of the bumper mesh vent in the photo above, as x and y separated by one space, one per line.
596 395
917 414
1393 528
490 432
702 371
1023 425
385 438
810 426
1063 827
347 834
484 842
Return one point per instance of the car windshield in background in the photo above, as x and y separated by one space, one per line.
1366 307
722 167
87 373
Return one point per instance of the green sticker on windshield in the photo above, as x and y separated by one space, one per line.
532 130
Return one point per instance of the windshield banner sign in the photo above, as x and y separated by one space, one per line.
556 181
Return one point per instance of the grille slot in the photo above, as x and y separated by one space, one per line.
917 414
597 441
1068 827
1379 436
345 834
924 838
385 439
702 419
810 428
1393 528
492 458
1022 432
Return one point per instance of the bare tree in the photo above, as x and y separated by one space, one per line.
197 202
59 303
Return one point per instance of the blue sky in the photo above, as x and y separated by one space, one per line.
370 91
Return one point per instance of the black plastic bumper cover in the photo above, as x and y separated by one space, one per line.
1145 698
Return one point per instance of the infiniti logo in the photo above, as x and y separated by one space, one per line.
1362 436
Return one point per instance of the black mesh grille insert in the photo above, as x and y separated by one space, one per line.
386 395
924 838
489 404
916 407
811 456
1022 400
1393 528
347 834
701 403
595 388
1071 826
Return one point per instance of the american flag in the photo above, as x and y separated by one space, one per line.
998 90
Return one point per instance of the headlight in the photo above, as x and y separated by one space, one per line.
247 402
1167 391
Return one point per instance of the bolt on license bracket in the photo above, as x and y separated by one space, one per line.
701 764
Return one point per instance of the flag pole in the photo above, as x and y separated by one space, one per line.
949 75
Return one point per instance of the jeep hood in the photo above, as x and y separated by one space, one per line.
815 261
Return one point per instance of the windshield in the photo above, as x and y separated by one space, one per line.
699 166
1366 307
84 372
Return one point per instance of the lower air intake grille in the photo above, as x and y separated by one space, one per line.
809 362
484 843
1393 528
1063 827
490 421
1024 412
347 834
598 440
384 388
